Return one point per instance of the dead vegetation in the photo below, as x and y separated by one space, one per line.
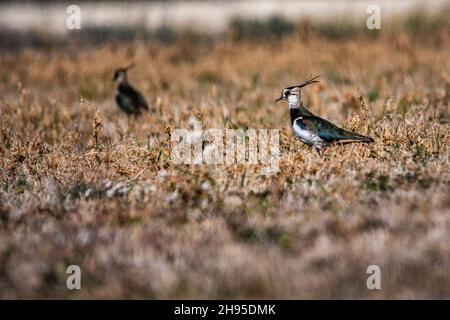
80 183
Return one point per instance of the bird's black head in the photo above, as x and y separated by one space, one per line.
121 73
295 90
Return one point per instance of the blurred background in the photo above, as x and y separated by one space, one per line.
82 183
37 22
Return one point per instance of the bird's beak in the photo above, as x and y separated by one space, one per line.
280 98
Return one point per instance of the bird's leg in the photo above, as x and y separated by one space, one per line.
128 123
318 151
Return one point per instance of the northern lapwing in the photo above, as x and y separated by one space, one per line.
128 99
313 130
294 97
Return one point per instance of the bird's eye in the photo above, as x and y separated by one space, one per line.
286 93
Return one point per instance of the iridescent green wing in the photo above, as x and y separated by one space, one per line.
329 132
139 101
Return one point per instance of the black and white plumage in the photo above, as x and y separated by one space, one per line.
128 99
313 130
294 97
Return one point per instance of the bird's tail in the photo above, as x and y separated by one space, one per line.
349 136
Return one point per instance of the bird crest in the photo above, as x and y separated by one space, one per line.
120 74
295 90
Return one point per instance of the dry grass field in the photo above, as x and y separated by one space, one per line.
81 183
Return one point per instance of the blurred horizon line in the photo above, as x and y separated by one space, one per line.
210 17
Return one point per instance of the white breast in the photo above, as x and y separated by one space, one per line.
305 135
293 102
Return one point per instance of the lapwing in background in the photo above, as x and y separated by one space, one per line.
313 130
128 99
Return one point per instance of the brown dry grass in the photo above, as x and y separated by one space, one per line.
82 184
